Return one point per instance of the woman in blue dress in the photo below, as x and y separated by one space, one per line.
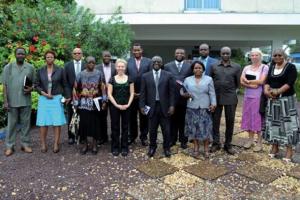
52 86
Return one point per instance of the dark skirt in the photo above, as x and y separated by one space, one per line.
89 124
198 124
281 121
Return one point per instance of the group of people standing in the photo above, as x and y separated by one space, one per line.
185 99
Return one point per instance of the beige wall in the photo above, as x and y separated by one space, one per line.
177 6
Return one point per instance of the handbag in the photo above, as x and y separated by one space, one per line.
263 99
74 124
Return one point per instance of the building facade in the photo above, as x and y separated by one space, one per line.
162 25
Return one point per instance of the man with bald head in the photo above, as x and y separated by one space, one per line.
226 76
158 92
72 69
205 58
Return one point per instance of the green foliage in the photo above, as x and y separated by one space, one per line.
297 87
3 114
238 56
34 99
39 25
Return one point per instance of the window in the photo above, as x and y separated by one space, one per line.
202 4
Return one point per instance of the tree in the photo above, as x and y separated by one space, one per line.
39 25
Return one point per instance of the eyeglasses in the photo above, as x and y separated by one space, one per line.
277 55
225 53
76 53
203 49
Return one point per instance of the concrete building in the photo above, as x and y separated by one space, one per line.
162 25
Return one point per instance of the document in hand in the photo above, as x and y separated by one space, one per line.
146 109
179 82
27 82
98 102
250 77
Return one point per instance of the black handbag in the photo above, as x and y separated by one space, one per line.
263 100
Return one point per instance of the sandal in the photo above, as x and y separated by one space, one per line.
287 160
206 155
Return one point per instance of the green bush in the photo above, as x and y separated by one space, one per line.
297 87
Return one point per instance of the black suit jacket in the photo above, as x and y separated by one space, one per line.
136 75
70 73
166 92
59 82
113 70
184 72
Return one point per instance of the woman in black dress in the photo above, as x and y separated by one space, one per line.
120 94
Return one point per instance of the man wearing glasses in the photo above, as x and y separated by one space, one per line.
72 69
226 76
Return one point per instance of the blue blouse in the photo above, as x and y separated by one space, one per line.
203 93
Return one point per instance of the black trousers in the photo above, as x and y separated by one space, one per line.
155 120
70 113
229 119
177 125
118 116
103 125
133 124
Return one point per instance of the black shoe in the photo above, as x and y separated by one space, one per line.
151 152
71 141
130 142
83 151
94 150
124 152
172 144
214 148
167 153
144 143
115 153
183 145
229 150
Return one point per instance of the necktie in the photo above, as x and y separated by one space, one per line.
179 67
77 68
156 86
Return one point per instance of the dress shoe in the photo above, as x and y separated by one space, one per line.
44 149
131 141
229 150
71 141
214 148
115 153
144 143
172 144
83 150
183 145
94 151
124 152
151 152
26 149
9 152
167 153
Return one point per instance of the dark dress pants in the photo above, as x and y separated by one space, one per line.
155 120
177 125
118 116
229 119
133 124
103 125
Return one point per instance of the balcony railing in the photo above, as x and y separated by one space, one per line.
198 5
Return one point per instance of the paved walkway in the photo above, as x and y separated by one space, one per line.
69 175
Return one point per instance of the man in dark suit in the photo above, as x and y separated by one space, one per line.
136 67
180 69
107 68
226 76
73 68
205 58
157 92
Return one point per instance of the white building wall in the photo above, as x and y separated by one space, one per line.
177 6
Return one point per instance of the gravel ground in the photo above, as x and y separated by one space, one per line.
69 175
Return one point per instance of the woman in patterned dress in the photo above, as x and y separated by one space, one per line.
88 86
282 122
200 91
